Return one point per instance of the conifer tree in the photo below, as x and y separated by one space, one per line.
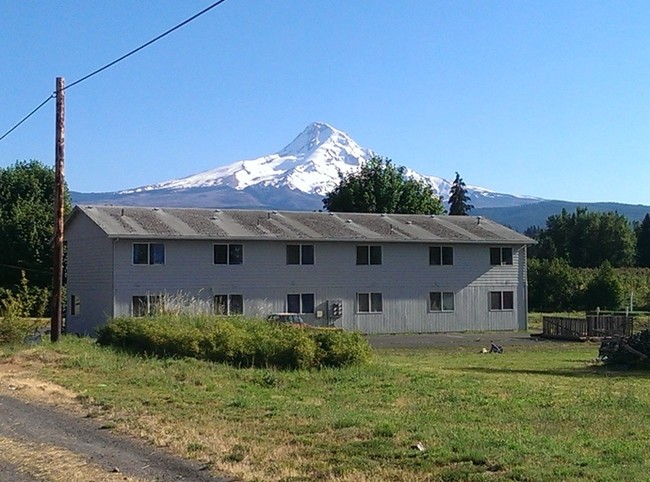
643 243
458 199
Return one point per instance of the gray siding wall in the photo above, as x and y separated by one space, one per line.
89 276
404 278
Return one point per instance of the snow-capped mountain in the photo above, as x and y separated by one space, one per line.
309 164
296 177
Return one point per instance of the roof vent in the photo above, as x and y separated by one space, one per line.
155 209
383 215
409 222
433 215
217 210
478 220
349 221
122 213
331 213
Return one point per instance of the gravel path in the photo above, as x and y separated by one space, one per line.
39 442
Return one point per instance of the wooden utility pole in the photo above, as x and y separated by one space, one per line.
59 206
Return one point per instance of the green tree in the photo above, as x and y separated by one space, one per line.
553 285
381 187
604 290
458 199
643 243
27 223
586 240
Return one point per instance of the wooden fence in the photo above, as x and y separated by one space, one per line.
591 326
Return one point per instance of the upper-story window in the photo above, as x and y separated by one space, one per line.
368 254
441 255
499 256
148 253
228 254
300 254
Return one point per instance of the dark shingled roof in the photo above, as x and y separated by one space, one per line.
178 223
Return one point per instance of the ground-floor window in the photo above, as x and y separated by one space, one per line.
300 303
369 303
147 305
75 305
228 304
441 301
502 300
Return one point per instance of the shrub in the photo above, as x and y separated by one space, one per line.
14 328
235 340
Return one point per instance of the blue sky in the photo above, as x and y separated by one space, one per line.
548 98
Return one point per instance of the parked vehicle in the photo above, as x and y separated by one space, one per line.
293 319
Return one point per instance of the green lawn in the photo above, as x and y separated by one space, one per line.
531 414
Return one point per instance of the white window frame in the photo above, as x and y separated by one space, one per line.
301 301
229 304
444 299
155 304
371 302
229 254
302 248
502 299
151 259
441 255
75 305
369 248
503 260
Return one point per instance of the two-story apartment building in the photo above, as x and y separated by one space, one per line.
376 273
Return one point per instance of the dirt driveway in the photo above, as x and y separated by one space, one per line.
43 442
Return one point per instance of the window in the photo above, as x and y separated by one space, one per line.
368 254
228 253
441 255
300 254
441 301
369 303
502 300
147 305
228 304
300 303
75 305
499 256
148 253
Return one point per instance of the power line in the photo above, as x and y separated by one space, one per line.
164 34
101 69
27 116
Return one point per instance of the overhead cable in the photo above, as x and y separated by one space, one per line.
95 72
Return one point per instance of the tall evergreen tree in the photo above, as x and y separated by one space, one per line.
381 187
643 243
458 199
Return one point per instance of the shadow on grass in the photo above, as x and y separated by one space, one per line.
599 371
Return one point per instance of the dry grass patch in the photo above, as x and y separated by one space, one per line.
55 464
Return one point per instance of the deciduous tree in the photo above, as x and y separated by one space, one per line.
26 223
381 187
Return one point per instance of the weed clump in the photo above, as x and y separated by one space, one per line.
237 341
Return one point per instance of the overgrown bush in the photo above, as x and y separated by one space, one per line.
26 300
14 328
235 340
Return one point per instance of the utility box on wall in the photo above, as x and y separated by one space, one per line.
334 308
